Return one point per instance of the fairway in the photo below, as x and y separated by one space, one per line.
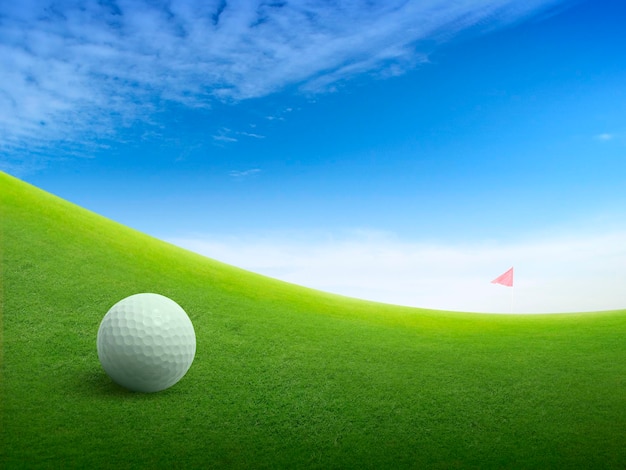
284 376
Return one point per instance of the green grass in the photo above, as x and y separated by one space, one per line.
284 377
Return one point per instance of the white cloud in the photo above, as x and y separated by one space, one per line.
604 137
75 70
224 138
250 134
226 135
559 274
245 173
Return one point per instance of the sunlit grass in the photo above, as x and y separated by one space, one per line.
285 376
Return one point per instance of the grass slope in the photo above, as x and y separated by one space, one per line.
284 376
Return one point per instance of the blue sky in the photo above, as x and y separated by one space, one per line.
407 152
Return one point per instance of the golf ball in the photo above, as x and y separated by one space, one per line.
146 342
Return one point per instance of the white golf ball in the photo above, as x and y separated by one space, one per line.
146 342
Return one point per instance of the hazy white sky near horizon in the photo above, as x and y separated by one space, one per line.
407 152
559 273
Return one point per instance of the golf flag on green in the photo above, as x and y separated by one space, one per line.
505 279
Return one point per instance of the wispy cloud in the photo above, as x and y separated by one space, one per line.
605 137
557 274
250 134
74 71
245 173
226 135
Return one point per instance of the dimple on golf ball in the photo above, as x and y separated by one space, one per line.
146 342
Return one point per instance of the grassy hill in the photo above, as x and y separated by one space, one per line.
284 377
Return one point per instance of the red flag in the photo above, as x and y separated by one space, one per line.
505 279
